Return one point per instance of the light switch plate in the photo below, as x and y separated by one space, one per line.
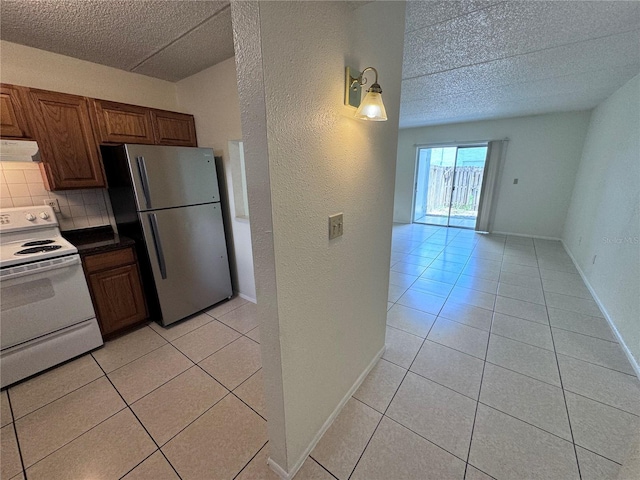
335 226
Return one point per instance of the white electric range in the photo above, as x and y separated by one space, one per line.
46 312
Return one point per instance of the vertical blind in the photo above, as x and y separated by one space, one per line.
488 197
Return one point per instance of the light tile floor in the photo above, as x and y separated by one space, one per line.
181 402
499 361
498 364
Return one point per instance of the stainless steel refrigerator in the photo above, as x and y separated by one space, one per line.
167 199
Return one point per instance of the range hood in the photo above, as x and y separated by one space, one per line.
19 151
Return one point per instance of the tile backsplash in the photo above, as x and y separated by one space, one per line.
21 185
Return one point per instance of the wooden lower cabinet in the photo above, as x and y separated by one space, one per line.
116 290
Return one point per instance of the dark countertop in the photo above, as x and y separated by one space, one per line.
96 240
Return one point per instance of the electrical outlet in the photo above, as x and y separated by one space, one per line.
515 181
335 226
53 203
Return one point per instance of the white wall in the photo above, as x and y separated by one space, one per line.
212 97
543 153
322 303
36 68
604 216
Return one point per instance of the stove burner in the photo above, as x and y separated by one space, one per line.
36 243
42 249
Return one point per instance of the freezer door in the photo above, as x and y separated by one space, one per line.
188 258
166 177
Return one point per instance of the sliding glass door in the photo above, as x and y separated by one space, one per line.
448 184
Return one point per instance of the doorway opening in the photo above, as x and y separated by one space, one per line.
448 185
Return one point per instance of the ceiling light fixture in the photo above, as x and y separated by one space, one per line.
371 107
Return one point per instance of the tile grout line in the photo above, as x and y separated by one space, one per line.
232 392
601 403
161 385
584 334
250 460
596 364
323 467
201 414
394 395
482 403
520 341
193 316
75 438
510 370
229 392
169 380
127 406
138 464
137 358
600 455
446 298
56 399
524 421
564 396
15 433
210 355
484 366
380 420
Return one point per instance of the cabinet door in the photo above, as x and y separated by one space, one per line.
68 146
13 113
118 298
173 128
122 123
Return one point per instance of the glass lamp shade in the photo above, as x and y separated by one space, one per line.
372 108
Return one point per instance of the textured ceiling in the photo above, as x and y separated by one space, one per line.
463 60
164 39
477 60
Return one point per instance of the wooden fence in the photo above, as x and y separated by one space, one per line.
466 195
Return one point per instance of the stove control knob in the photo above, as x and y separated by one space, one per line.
44 215
31 217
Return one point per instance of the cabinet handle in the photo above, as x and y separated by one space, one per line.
153 221
142 170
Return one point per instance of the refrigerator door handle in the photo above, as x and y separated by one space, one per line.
153 222
142 170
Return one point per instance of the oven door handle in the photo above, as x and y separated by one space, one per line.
155 233
40 267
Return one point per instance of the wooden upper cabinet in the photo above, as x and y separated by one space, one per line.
66 137
13 113
122 123
173 128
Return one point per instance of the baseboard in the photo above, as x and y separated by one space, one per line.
281 472
247 297
616 333
541 237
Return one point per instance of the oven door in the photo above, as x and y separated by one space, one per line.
41 298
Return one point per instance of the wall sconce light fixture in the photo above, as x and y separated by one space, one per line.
371 107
